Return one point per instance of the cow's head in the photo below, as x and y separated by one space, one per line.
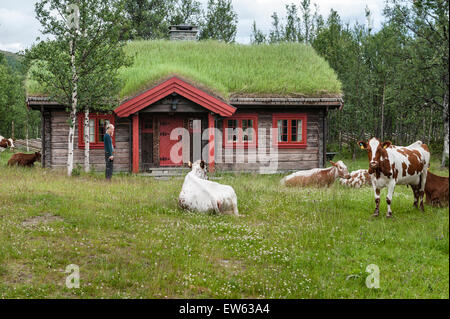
199 169
10 143
38 156
376 151
341 169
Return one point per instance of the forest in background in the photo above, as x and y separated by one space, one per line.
395 79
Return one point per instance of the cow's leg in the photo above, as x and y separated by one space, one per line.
416 195
377 202
390 193
423 180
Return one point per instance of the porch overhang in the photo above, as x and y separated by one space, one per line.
178 86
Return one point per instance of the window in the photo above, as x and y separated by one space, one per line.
97 130
240 130
290 130
147 125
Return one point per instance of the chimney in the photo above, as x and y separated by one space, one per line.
183 32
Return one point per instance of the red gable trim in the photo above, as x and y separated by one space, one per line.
174 85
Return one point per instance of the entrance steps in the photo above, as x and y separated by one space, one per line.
166 171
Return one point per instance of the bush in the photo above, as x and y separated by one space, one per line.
77 170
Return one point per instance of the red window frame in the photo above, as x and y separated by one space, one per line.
96 117
289 117
240 143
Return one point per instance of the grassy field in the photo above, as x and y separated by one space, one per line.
130 240
225 69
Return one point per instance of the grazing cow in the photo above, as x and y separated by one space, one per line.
5 143
202 195
22 159
436 190
357 179
390 165
320 177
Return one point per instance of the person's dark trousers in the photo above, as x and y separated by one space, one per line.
109 167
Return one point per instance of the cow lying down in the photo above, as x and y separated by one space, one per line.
5 143
357 179
320 177
436 190
199 194
22 159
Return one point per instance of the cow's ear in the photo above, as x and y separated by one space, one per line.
190 164
202 164
387 144
333 163
362 145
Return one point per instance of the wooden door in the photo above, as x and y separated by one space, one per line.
166 125
146 142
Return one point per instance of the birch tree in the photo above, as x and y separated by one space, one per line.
78 64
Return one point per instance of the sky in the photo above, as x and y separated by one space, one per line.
19 28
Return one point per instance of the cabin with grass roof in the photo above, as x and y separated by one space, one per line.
223 95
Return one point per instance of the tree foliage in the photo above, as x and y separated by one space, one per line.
395 80
15 118
220 21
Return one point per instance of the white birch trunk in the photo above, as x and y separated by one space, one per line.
86 141
446 138
73 112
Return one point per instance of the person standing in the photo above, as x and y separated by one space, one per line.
109 151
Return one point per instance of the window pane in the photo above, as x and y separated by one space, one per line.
231 130
282 130
293 130
102 124
247 128
299 131
91 131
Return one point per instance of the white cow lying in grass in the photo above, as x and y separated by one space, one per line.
199 194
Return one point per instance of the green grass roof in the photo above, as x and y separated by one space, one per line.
282 70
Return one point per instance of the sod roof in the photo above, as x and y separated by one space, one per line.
227 70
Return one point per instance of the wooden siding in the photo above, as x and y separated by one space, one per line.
59 140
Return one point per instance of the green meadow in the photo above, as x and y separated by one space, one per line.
130 240
286 69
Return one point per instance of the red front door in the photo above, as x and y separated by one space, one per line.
166 125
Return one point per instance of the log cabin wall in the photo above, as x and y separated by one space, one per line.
46 136
288 158
59 139
56 135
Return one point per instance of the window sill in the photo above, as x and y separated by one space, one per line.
291 145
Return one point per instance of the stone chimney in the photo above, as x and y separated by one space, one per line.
183 32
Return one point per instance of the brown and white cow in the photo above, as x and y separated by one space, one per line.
436 190
390 165
320 177
5 143
22 159
357 179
